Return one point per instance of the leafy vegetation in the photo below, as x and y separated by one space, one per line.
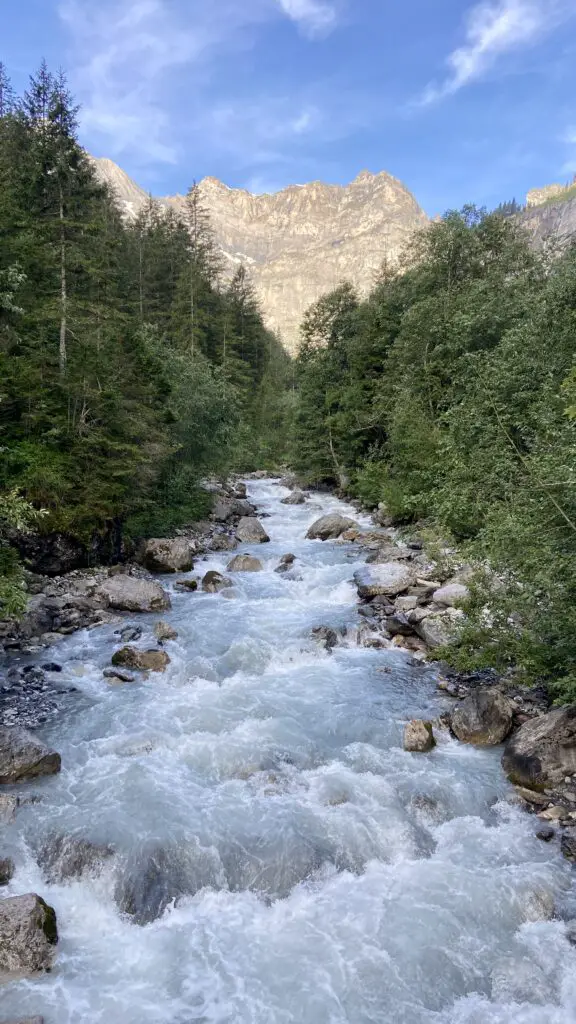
129 367
449 395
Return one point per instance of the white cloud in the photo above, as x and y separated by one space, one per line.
127 52
314 17
495 28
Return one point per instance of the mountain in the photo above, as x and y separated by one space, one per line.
300 242
550 215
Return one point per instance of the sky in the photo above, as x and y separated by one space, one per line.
463 101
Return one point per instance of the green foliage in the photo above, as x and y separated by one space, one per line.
450 395
129 369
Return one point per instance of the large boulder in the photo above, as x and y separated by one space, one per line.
222 542
28 935
331 526
418 737
23 756
484 718
251 531
65 857
165 554
543 751
439 627
230 508
131 594
451 595
143 661
390 579
296 498
244 563
214 582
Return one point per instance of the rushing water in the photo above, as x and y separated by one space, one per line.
278 857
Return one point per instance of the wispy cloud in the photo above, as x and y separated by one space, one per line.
314 17
495 28
132 56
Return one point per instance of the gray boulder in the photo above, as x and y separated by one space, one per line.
439 628
244 563
222 542
164 631
251 531
286 563
543 751
568 844
66 857
484 718
167 554
331 526
296 498
418 737
389 579
214 582
143 661
226 509
451 595
327 636
8 806
23 756
28 935
130 594
7 869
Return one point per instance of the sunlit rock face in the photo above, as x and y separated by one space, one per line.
301 242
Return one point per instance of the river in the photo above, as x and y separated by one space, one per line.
282 859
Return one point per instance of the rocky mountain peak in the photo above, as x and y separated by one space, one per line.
299 242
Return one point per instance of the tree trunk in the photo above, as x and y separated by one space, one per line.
63 290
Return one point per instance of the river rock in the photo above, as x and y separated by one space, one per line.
568 844
331 526
240 489
156 876
130 594
389 579
229 508
164 631
244 563
418 737
543 751
28 935
326 636
165 554
7 869
222 542
517 979
296 498
25 1020
23 756
214 582
286 563
120 674
143 661
65 857
188 585
484 718
439 627
451 595
129 634
251 531
397 625
8 806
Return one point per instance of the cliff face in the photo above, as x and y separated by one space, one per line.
301 242
550 215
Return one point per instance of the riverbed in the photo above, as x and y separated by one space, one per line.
269 853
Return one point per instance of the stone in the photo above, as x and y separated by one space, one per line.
244 563
388 579
189 585
155 876
286 563
418 737
143 661
166 554
330 527
531 796
7 869
230 508
25 1020
130 594
23 756
554 813
214 582
129 634
568 844
397 625
296 498
222 542
64 857
484 718
119 674
240 489
164 631
326 636
451 595
251 531
405 604
437 628
546 835
28 935
8 806
51 666
543 750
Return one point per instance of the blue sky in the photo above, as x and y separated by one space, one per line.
464 101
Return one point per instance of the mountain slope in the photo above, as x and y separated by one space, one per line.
301 242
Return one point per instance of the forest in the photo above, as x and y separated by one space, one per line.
130 367
449 395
